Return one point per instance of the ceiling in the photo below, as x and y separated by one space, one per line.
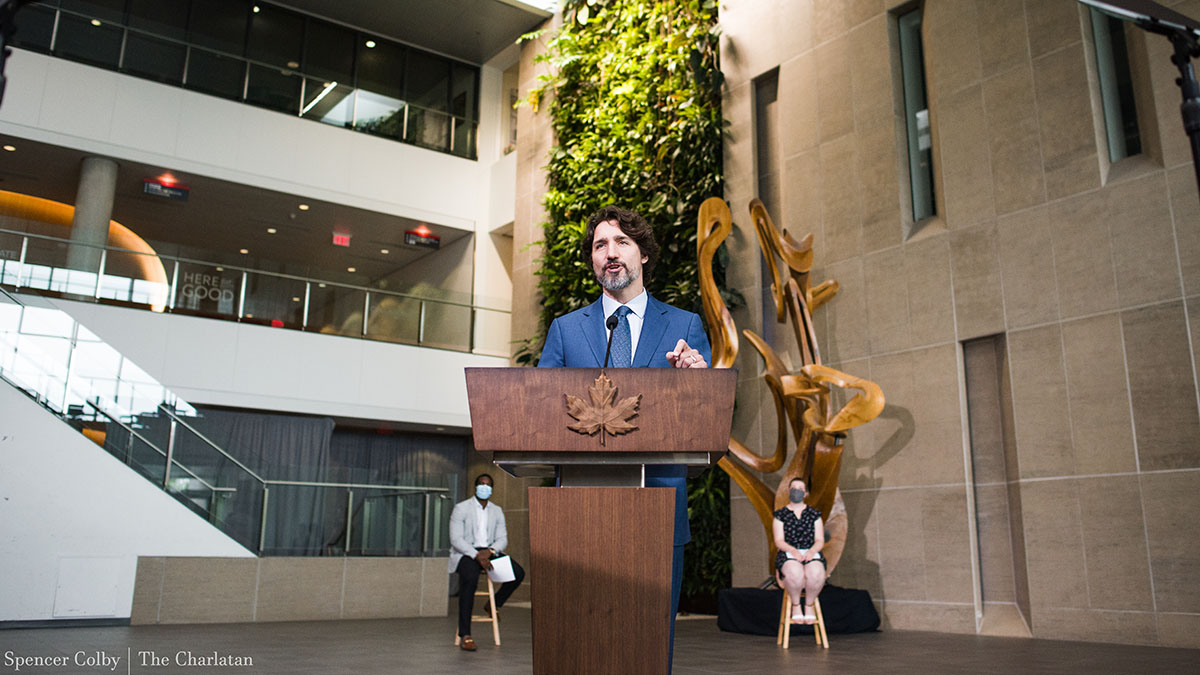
469 30
221 218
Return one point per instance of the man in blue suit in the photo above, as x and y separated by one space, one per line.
620 247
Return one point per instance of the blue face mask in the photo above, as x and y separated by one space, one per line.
483 491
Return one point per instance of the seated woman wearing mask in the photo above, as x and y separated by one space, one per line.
799 536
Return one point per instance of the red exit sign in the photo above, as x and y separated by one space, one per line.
340 239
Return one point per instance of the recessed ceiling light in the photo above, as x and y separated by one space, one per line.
95 22
384 251
320 285
271 230
351 269
293 64
295 299
256 9
249 316
220 269
370 44
303 207
10 148
244 251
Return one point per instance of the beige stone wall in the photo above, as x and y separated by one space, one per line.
245 590
1089 271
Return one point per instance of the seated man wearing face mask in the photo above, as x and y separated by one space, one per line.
477 534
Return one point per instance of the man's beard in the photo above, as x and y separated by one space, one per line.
617 283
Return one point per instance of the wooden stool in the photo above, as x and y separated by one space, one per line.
491 617
785 622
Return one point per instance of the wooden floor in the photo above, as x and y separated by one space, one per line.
425 646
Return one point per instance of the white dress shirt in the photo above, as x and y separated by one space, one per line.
637 314
481 525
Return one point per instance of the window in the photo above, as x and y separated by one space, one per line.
1116 87
916 115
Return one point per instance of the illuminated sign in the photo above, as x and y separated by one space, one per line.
158 188
341 239
422 237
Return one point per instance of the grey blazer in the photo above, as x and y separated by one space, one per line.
462 530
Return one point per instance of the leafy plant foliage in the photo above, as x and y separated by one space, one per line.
634 95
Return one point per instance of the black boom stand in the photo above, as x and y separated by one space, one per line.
1183 32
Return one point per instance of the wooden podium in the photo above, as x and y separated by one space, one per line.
600 544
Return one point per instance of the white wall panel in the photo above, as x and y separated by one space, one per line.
74 520
146 115
208 361
78 100
24 93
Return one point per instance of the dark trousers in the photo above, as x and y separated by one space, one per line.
468 573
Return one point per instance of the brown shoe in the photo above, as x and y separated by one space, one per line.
467 644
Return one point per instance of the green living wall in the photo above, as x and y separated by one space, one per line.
634 95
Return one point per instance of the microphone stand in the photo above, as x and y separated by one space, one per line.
611 324
1186 48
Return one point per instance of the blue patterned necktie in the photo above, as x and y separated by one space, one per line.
622 343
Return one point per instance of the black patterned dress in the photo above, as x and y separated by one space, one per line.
799 531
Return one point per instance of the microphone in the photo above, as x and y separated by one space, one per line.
611 324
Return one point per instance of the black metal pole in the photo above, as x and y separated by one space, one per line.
1186 47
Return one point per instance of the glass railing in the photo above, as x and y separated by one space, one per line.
167 59
89 385
220 291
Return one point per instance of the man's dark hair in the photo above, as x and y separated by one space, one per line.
633 225
481 476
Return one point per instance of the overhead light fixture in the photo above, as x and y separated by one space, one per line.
324 92
10 148
271 230
295 299
256 9
351 269
370 44
95 22
303 207
320 285
167 178
220 269
244 251
384 251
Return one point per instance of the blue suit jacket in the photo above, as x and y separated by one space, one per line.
579 340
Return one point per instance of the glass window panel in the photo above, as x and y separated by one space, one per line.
207 291
394 318
464 138
35 28
428 79
168 18
446 326
328 102
380 115
274 301
329 52
216 74
428 128
79 39
273 88
276 36
42 256
380 68
916 115
336 310
219 25
1116 86
105 10
154 58
462 92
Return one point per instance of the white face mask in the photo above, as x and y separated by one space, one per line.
483 491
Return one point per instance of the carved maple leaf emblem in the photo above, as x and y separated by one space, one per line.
602 415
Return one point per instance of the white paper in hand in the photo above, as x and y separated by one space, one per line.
502 570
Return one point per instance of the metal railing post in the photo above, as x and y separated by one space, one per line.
366 311
170 457
307 294
425 527
349 519
241 310
21 262
262 526
421 324
100 272
174 284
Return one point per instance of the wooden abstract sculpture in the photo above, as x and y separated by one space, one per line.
803 399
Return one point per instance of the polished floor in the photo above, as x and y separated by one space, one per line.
425 646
